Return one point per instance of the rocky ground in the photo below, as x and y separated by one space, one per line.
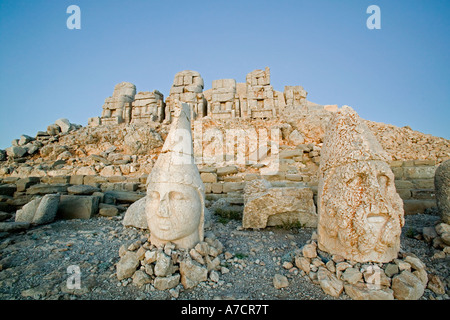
34 263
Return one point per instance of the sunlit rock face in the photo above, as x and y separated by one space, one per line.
175 206
360 212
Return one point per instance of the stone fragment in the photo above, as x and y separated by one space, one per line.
407 286
77 207
192 273
391 270
224 171
310 250
296 137
135 215
354 170
280 281
64 124
82 189
442 228
265 205
429 233
110 211
15 152
43 189
442 190
127 265
329 283
141 278
7 189
47 209
435 284
124 196
25 183
165 283
163 265
361 291
352 276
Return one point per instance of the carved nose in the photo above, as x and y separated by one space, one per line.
164 208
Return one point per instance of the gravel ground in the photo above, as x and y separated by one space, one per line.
34 264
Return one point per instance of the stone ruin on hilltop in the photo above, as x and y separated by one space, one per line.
254 99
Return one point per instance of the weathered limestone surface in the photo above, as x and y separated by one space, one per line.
147 106
360 212
442 186
117 106
175 205
265 205
187 87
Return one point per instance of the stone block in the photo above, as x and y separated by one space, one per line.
217 187
77 207
24 183
269 206
233 186
423 184
76 179
43 189
8 189
423 194
426 172
208 177
403 184
294 177
417 206
125 196
404 193
227 170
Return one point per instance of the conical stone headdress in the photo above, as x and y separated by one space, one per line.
175 163
348 139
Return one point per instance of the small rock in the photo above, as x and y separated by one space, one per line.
150 257
310 250
361 291
214 276
141 278
429 233
407 286
127 265
391 270
164 283
280 281
435 284
163 264
287 265
329 283
352 275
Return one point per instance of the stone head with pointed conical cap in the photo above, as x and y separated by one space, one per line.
175 204
360 212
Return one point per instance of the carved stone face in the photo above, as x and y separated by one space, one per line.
360 212
174 213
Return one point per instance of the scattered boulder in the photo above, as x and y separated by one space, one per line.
135 215
127 265
15 152
361 291
77 207
265 205
329 283
407 286
280 281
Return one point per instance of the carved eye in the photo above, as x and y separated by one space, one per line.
153 195
354 180
174 195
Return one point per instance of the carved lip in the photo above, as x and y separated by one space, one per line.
164 224
376 218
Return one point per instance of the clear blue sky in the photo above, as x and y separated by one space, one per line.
398 75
